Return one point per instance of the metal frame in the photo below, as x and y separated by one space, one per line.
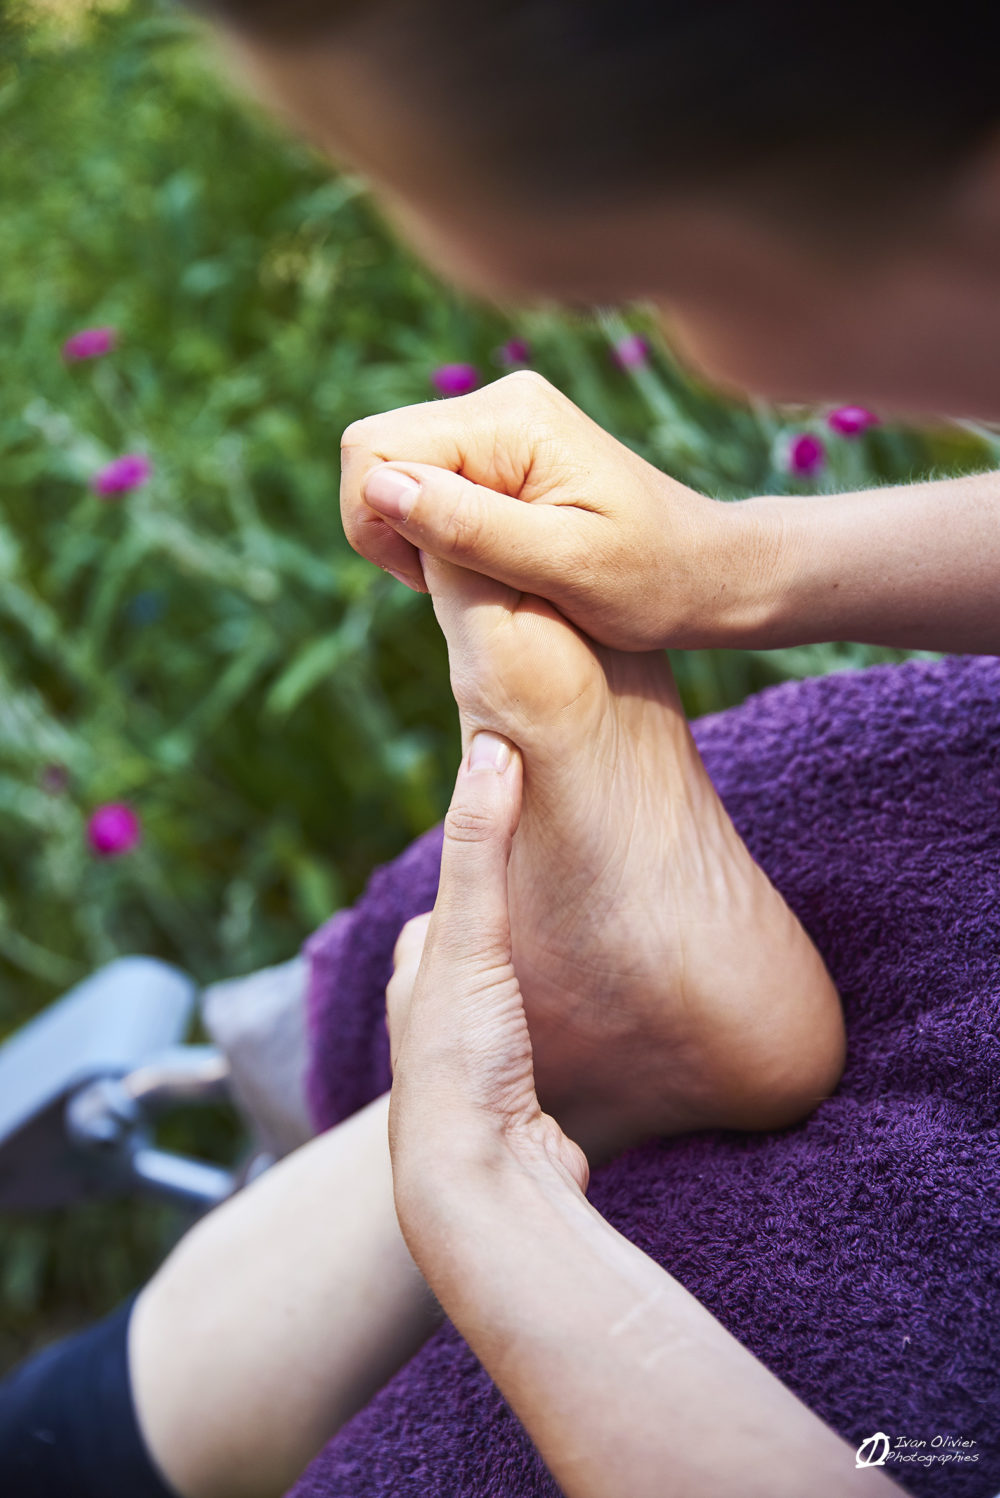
81 1087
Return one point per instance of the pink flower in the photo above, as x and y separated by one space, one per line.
122 474
516 351
455 379
113 829
89 343
806 455
631 352
851 421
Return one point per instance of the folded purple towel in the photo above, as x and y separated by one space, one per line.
858 1254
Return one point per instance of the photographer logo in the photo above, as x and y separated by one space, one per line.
873 1450
880 1450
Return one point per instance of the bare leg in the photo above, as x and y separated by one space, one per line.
277 1318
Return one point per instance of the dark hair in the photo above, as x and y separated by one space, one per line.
590 97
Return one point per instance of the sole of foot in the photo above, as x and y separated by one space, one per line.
667 984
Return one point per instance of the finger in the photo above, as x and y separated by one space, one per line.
534 548
398 999
470 927
490 436
406 958
398 993
373 538
410 942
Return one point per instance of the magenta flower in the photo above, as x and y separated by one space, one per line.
851 421
631 352
514 353
455 379
122 474
806 455
89 343
113 829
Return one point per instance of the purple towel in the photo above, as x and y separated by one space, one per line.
858 1254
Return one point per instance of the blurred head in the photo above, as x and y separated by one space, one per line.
812 195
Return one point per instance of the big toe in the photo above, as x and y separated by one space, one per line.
463 598
515 661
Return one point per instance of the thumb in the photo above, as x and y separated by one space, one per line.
470 927
529 546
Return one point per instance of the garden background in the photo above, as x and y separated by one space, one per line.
204 647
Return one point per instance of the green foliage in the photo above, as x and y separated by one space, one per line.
208 648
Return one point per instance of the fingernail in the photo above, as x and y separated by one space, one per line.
391 493
489 752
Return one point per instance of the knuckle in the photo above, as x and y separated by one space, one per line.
522 384
469 824
464 525
360 433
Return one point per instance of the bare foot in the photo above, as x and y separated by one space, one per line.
668 986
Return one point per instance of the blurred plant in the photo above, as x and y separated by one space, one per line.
851 421
630 351
455 379
805 455
514 354
113 829
209 654
89 343
122 474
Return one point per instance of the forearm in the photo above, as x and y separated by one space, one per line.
277 1318
624 1381
916 567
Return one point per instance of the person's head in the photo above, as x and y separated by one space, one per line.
811 194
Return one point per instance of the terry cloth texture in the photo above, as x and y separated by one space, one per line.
858 1254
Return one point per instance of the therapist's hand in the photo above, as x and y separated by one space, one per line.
625 1383
515 482
463 1082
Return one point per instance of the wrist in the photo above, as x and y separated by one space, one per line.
753 563
473 1172
817 587
722 579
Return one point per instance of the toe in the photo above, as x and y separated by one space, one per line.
515 661
455 590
